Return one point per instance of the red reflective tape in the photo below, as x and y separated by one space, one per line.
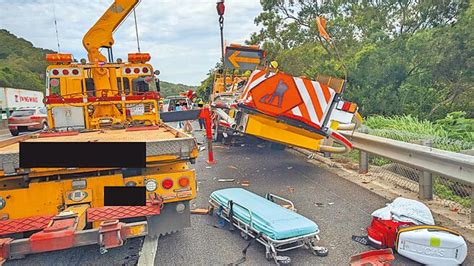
58 99
24 224
121 212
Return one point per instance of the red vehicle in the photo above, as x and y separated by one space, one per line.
28 119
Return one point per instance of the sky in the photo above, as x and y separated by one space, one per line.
182 36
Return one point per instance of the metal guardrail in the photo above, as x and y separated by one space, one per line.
459 167
452 166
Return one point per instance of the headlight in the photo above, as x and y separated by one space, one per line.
2 203
150 185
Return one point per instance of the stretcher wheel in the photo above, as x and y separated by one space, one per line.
244 235
284 260
320 251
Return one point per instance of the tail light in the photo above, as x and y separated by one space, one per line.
136 70
75 72
65 72
167 183
35 117
128 70
10 119
145 70
55 72
183 182
347 106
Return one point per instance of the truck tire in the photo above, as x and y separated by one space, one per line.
14 132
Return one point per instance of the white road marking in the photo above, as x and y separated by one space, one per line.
148 252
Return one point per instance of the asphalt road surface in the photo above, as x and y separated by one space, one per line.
5 134
339 207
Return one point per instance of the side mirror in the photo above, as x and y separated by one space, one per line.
157 72
157 83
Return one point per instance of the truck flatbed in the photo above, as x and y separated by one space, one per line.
161 141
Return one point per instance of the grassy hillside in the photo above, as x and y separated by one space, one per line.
21 64
168 88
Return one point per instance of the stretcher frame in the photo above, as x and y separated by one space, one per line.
272 246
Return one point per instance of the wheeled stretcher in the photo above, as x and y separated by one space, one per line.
260 218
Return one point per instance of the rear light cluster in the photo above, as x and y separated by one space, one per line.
347 106
65 72
169 183
136 70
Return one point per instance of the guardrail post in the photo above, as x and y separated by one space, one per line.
363 162
472 204
426 180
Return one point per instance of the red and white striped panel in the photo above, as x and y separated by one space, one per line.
317 100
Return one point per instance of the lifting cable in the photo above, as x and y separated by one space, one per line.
136 29
56 27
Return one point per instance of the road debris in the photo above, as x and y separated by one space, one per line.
290 167
232 167
245 183
291 189
226 180
208 167
289 207
201 148
373 257
200 211
319 204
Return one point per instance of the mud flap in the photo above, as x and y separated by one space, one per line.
173 217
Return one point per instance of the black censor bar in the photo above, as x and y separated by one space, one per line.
83 154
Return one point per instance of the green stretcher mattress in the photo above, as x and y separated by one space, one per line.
269 218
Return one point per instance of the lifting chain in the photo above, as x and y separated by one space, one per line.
221 27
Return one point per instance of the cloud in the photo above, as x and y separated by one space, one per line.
182 36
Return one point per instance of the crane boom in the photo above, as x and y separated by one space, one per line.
100 35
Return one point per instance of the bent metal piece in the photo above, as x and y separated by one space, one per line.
379 257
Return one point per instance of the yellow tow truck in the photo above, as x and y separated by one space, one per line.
109 168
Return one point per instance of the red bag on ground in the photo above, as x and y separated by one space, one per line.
383 233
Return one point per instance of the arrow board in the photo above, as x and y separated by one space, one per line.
241 58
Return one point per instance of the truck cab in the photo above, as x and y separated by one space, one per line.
75 100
